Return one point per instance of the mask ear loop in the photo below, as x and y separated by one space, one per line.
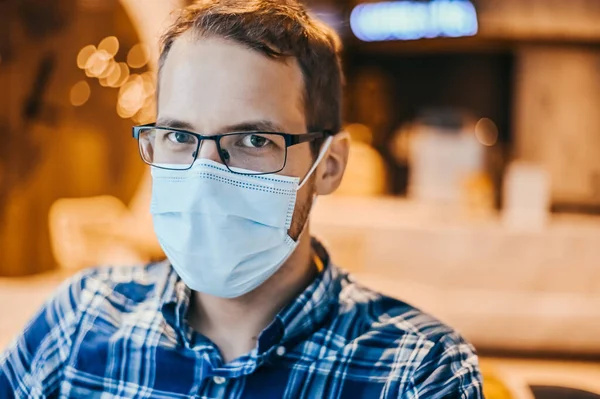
322 153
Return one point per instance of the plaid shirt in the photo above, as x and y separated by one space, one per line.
122 333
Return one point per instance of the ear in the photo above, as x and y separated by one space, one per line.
331 169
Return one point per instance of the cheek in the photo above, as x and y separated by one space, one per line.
306 192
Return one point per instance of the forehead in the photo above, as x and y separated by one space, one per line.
209 83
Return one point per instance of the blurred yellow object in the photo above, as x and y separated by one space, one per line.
366 172
360 133
479 194
494 388
499 386
102 230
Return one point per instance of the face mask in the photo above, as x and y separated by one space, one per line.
224 233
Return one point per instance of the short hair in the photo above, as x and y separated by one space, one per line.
278 29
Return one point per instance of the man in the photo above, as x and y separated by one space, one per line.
247 306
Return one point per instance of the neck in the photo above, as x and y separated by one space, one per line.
234 324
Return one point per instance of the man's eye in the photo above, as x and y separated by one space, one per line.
181 138
255 141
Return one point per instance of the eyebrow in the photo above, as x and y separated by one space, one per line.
261 126
250 126
174 124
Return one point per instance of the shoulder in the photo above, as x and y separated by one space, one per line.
378 313
93 289
33 365
124 284
420 343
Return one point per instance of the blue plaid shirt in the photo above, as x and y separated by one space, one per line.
122 333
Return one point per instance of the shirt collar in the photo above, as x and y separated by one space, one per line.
305 315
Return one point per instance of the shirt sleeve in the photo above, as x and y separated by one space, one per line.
449 371
32 366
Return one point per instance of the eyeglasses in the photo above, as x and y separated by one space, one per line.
256 152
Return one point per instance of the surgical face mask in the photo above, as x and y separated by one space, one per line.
225 233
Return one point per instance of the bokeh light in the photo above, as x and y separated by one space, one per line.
138 56
119 76
109 44
80 93
131 97
84 55
97 63
412 20
486 132
136 98
147 112
112 65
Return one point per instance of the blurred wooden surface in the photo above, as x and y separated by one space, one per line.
557 123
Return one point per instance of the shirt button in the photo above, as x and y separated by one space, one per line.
218 379
280 351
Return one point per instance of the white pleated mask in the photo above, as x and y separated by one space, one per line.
225 233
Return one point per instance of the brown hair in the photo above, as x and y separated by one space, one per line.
277 29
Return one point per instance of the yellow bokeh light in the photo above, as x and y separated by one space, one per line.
80 93
148 76
145 115
148 80
124 112
486 132
97 63
119 76
131 97
138 56
109 44
84 54
112 65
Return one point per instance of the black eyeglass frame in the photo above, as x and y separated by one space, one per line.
290 140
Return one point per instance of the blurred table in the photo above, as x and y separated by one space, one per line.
519 290
522 374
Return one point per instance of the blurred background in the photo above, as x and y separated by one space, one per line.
473 188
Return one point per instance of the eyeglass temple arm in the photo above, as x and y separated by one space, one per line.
304 138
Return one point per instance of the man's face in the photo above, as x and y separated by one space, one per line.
210 86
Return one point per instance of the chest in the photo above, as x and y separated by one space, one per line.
150 365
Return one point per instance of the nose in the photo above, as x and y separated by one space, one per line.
208 150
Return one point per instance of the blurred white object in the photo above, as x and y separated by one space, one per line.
412 20
88 232
366 172
526 196
441 164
